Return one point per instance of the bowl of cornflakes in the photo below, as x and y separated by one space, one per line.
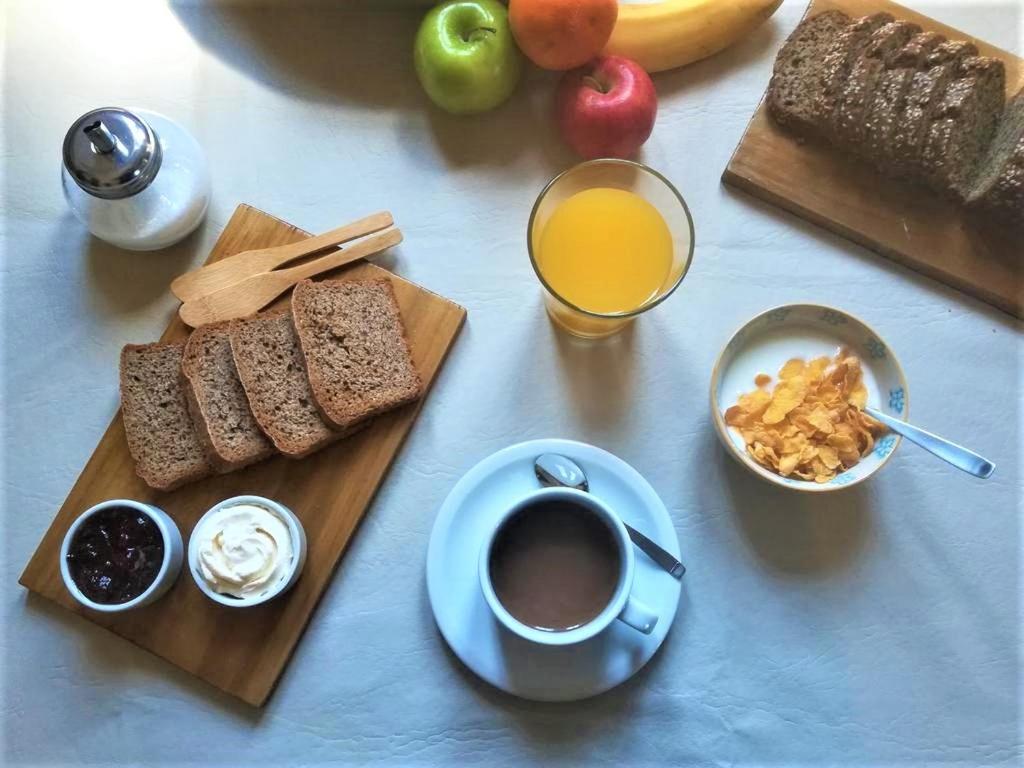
787 394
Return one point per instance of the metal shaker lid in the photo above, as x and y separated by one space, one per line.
112 153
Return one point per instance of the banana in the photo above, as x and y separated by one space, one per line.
672 33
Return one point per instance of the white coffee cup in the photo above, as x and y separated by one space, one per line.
622 606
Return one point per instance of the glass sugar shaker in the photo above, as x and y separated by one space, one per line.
135 178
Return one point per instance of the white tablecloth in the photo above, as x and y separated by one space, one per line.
878 626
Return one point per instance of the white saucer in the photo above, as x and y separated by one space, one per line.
506 661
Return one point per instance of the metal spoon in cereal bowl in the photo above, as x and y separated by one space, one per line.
553 469
957 455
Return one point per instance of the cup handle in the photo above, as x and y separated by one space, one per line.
638 616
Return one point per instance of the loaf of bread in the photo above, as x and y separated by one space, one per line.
914 105
354 347
162 438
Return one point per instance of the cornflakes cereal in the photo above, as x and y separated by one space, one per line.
794 367
787 396
812 424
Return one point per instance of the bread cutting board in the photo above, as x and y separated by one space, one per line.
244 652
906 223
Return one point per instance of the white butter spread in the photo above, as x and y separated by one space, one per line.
244 550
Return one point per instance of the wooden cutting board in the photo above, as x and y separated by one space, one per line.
906 223
243 652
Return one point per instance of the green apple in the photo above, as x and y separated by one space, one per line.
466 58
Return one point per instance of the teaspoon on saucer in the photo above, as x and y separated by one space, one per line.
553 469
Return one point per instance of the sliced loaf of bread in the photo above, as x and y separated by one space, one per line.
998 186
926 90
217 401
270 365
912 103
353 343
962 126
161 436
797 69
890 96
846 47
884 45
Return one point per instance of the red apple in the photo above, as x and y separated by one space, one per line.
606 108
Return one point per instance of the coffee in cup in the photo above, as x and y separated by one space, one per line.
557 568
554 565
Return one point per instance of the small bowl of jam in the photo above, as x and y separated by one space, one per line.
120 555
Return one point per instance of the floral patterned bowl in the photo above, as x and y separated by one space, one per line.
767 341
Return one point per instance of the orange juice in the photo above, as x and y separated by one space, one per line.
605 250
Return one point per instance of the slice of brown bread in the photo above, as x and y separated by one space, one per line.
844 50
217 401
811 31
998 186
890 96
161 436
797 69
962 126
861 88
353 343
273 374
926 90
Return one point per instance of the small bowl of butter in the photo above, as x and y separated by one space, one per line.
246 550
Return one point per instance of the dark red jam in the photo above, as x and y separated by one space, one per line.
115 555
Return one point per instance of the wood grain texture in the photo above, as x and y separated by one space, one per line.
243 652
906 223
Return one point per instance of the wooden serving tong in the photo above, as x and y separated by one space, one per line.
234 269
246 282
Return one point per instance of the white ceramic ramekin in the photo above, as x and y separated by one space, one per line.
295 530
174 551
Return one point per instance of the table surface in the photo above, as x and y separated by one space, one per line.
877 626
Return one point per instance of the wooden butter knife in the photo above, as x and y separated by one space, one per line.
255 292
234 269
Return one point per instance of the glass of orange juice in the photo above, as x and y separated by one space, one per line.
609 240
